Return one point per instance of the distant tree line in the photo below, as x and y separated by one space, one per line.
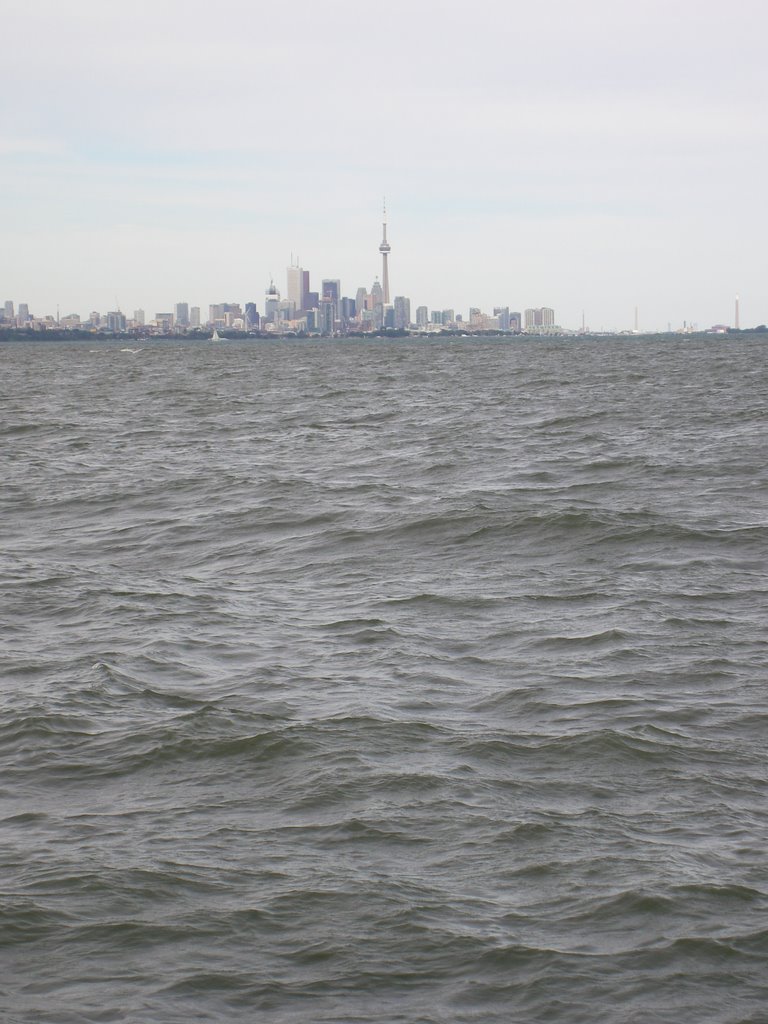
82 334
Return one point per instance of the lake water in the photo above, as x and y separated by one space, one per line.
415 682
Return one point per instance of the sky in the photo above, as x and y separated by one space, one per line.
595 157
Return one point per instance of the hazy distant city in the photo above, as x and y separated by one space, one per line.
325 312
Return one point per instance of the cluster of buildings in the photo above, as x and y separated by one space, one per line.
327 313
300 310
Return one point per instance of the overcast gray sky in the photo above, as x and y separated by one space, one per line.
590 156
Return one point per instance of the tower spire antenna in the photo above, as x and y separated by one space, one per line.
384 249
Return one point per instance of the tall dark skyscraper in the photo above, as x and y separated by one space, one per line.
331 291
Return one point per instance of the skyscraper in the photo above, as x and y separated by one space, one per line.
502 312
331 290
542 317
271 303
361 300
116 322
298 287
327 316
402 312
377 304
384 249
182 314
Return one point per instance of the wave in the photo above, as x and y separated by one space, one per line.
389 683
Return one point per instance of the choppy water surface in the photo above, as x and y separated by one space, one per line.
371 682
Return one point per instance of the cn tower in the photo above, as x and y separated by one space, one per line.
384 249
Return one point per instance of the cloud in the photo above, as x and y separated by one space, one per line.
30 146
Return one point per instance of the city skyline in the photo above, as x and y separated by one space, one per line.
615 165
328 311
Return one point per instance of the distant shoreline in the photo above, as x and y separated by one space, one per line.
97 337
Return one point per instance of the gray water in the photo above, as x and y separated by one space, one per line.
384 682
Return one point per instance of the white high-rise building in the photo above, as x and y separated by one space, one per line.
541 317
298 287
